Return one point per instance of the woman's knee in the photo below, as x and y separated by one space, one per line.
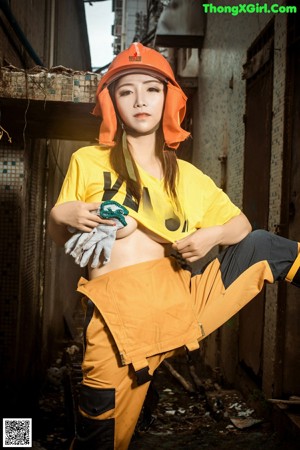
258 238
237 258
95 402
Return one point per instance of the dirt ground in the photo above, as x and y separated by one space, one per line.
209 418
195 421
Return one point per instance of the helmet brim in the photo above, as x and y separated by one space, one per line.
106 82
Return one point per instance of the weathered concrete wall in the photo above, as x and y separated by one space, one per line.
129 20
219 132
219 127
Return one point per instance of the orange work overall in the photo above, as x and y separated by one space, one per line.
143 313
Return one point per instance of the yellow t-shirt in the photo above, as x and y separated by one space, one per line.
90 178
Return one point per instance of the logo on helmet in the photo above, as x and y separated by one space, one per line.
135 57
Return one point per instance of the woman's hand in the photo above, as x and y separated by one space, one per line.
79 215
198 244
74 214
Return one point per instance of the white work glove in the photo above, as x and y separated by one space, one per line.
101 239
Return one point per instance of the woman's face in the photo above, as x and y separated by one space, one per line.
139 100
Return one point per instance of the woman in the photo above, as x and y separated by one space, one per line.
141 304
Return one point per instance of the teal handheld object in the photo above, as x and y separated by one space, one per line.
111 209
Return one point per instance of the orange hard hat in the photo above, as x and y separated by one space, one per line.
140 59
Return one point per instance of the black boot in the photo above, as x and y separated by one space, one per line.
94 434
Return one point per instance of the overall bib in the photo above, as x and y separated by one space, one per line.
139 315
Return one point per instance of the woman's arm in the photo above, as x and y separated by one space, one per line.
198 244
74 214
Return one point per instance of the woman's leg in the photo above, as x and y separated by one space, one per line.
238 274
110 399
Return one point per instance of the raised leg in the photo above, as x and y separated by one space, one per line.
238 274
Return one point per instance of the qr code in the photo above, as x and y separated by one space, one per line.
17 433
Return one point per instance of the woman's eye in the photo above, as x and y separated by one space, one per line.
154 89
124 93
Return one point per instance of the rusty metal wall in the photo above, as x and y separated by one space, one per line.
257 158
29 344
291 210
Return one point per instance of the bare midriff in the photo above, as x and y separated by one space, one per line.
134 244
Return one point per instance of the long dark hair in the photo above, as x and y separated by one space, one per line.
166 156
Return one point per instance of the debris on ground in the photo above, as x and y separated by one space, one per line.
184 411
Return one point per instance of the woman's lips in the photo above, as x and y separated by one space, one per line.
141 115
